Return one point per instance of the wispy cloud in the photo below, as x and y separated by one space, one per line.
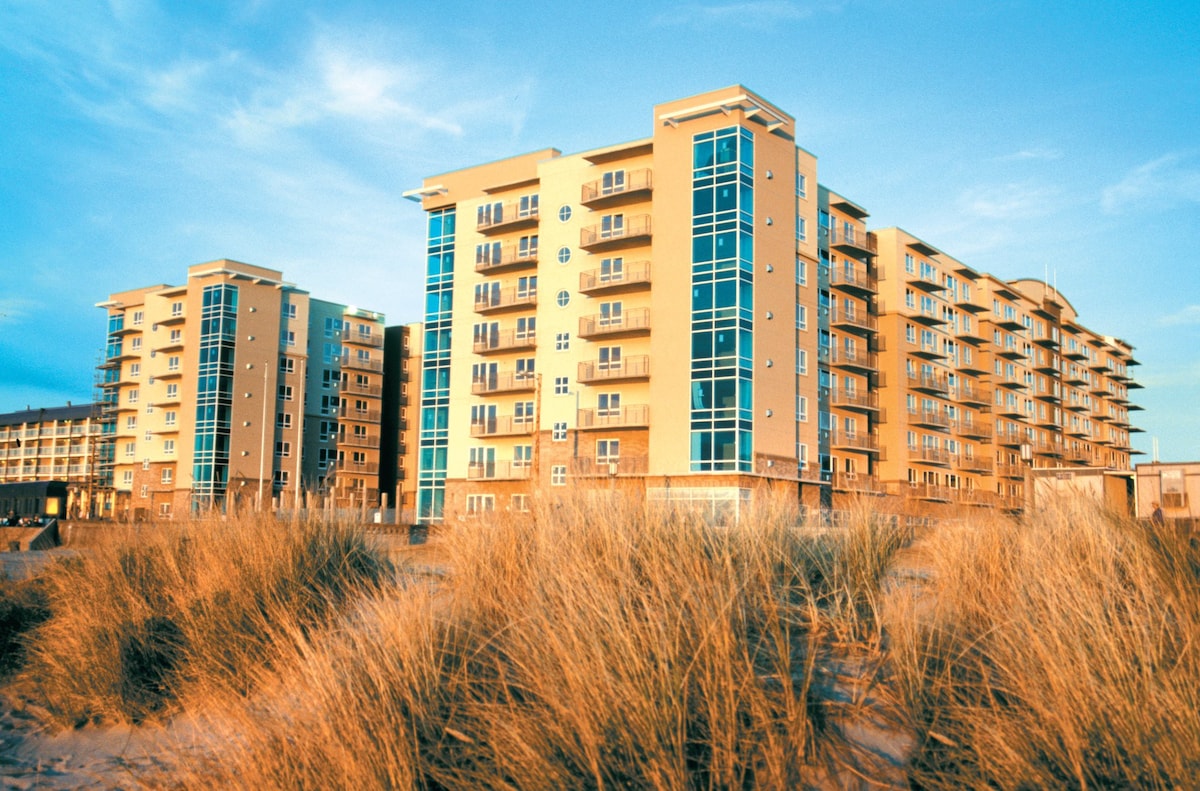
753 14
1035 154
1010 201
1170 179
1188 315
13 310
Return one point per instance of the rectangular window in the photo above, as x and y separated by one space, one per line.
283 449
135 370
145 490
172 391
176 309
285 392
138 318
130 449
168 475
562 341
287 365
289 310
802 362
169 447
135 343
520 503
610 358
173 363
281 477
612 226
127 477
131 422
608 451
558 475
480 504
802 408
133 396
560 385
283 420
801 229
801 185
288 337
802 317
560 432
608 404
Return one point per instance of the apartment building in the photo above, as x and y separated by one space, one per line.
62 443
239 387
693 316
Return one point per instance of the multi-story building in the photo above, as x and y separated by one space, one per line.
692 315
65 443
240 387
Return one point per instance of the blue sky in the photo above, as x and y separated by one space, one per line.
138 138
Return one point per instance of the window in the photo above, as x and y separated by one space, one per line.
172 391
801 185
176 336
133 396
522 456
176 309
560 432
289 310
560 385
802 317
527 246
610 358
127 477
526 328
801 272
288 338
801 229
608 404
283 420
333 326
135 343
169 447
608 451
564 213
480 504
168 475
145 490
564 255
138 318
135 370
281 477
523 412
283 449
558 475
802 362
527 206
802 409
130 449
610 314
520 503
612 182
612 226
285 392
131 422
562 298
562 341
173 363
287 365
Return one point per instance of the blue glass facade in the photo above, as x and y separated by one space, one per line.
722 320
214 392
435 366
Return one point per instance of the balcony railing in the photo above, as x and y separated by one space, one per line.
610 466
636 367
505 299
631 416
635 320
361 364
973 430
504 382
357 468
855 319
853 359
860 441
636 227
508 216
358 441
928 417
499 471
630 182
854 400
627 276
854 241
786 469
975 464
505 340
929 455
360 415
355 388
854 279
502 427
857 482
373 340
511 257
929 382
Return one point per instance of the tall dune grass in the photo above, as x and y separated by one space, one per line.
137 619
587 646
1058 652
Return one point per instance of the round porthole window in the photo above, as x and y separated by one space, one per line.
564 213
564 255
562 298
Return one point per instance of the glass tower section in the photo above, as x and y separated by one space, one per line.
214 393
722 325
435 366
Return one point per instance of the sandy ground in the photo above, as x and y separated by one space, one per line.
867 745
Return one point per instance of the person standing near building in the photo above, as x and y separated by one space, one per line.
1156 516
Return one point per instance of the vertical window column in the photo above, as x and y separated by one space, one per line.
435 366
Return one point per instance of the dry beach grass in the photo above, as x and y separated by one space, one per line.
606 644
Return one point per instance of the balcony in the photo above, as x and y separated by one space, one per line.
929 491
610 467
854 280
928 317
926 283
373 340
785 469
628 369
498 471
354 388
965 393
630 229
853 241
629 322
857 482
860 322
506 426
930 455
1010 439
511 257
633 416
359 415
357 363
976 464
854 441
928 418
357 468
932 383
974 430
509 216
1077 456
854 400
617 185
505 382
358 441
629 276
506 299
506 340
854 360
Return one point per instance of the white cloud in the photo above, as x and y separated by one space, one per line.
14 310
1170 179
754 14
1011 201
1036 154
1188 315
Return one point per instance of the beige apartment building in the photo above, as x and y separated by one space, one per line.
240 388
63 443
691 315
